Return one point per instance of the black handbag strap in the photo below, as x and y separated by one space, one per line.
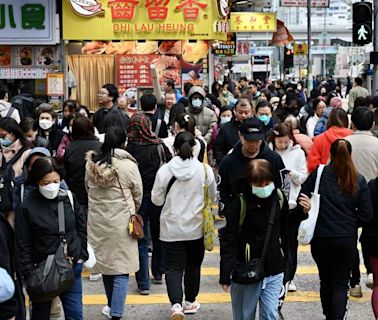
270 228
62 224
170 184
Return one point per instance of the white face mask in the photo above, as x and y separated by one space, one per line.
196 103
50 191
45 124
225 120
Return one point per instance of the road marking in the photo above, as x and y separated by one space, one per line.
206 298
301 270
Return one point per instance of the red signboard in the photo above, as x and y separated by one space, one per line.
133 70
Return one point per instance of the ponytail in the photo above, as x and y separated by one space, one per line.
184 143
343 166
186 121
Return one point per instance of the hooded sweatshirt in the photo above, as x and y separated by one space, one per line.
320 150
6 110
181 217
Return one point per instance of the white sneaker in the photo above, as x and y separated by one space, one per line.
106 312
369 281
177 312
292 287
191 307
95 276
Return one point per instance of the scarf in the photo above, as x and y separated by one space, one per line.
139 131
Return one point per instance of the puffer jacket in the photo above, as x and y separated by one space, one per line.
114 194
206 119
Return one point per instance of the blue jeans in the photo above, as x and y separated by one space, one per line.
116 291
72 301
244 299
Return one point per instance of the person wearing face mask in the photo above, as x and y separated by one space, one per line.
205 118
14 152
302 98
47 128
264 114
228 134
225 116
226 96
243 239
30 128
251 146
283 142
37 233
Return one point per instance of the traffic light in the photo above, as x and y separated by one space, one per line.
288 58
362 23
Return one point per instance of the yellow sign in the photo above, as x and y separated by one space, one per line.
142 20
300 49
253 22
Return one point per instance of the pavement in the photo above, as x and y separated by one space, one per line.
215 304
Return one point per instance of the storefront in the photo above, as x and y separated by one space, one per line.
117 41
24 65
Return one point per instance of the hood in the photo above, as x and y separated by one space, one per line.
183 169
334 133
4 105
104 174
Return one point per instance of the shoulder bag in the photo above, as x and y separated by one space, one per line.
208 218
55 275
307 227
253 271
136 222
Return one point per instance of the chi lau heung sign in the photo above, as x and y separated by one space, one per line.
142 19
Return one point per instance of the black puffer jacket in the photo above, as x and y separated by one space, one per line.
233 240
8 261
37 230
339 214
227 137
74 164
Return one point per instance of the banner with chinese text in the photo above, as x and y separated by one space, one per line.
27 22
142 20
253 22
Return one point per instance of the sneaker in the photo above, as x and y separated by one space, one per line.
191 308
95 276
158 279
177 312
143 292
106 312
291 287
356 291
369 281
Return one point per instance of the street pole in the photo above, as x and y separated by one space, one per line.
309 62
375 80
324 44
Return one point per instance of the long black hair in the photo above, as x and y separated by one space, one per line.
114 138
184 143
43 166
11 125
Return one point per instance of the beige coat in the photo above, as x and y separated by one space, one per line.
108 215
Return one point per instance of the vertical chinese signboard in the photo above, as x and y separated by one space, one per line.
143 19
27 22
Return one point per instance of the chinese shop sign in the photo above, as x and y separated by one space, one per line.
27 22
142 19
253 22
133 70
225 48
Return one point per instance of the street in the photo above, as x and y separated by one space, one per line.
215 304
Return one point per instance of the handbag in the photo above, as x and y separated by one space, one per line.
136 223
253 271
307 227
208 218
55 275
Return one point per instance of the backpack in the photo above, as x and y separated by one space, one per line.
243 205
8 183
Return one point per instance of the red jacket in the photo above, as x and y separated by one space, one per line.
320 150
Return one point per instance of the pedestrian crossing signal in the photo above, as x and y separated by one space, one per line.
362 23
288 58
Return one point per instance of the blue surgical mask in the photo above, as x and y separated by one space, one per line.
264 118
224 120
263 192
5 142
197 103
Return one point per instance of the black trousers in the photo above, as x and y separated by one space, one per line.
183 257
292 248
334 258
356 274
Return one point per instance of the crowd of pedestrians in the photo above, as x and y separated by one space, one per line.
101 191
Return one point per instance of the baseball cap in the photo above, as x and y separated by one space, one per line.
252 129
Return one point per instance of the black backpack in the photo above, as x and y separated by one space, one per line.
8 183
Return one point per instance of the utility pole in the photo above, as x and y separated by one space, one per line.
309 62
375 80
